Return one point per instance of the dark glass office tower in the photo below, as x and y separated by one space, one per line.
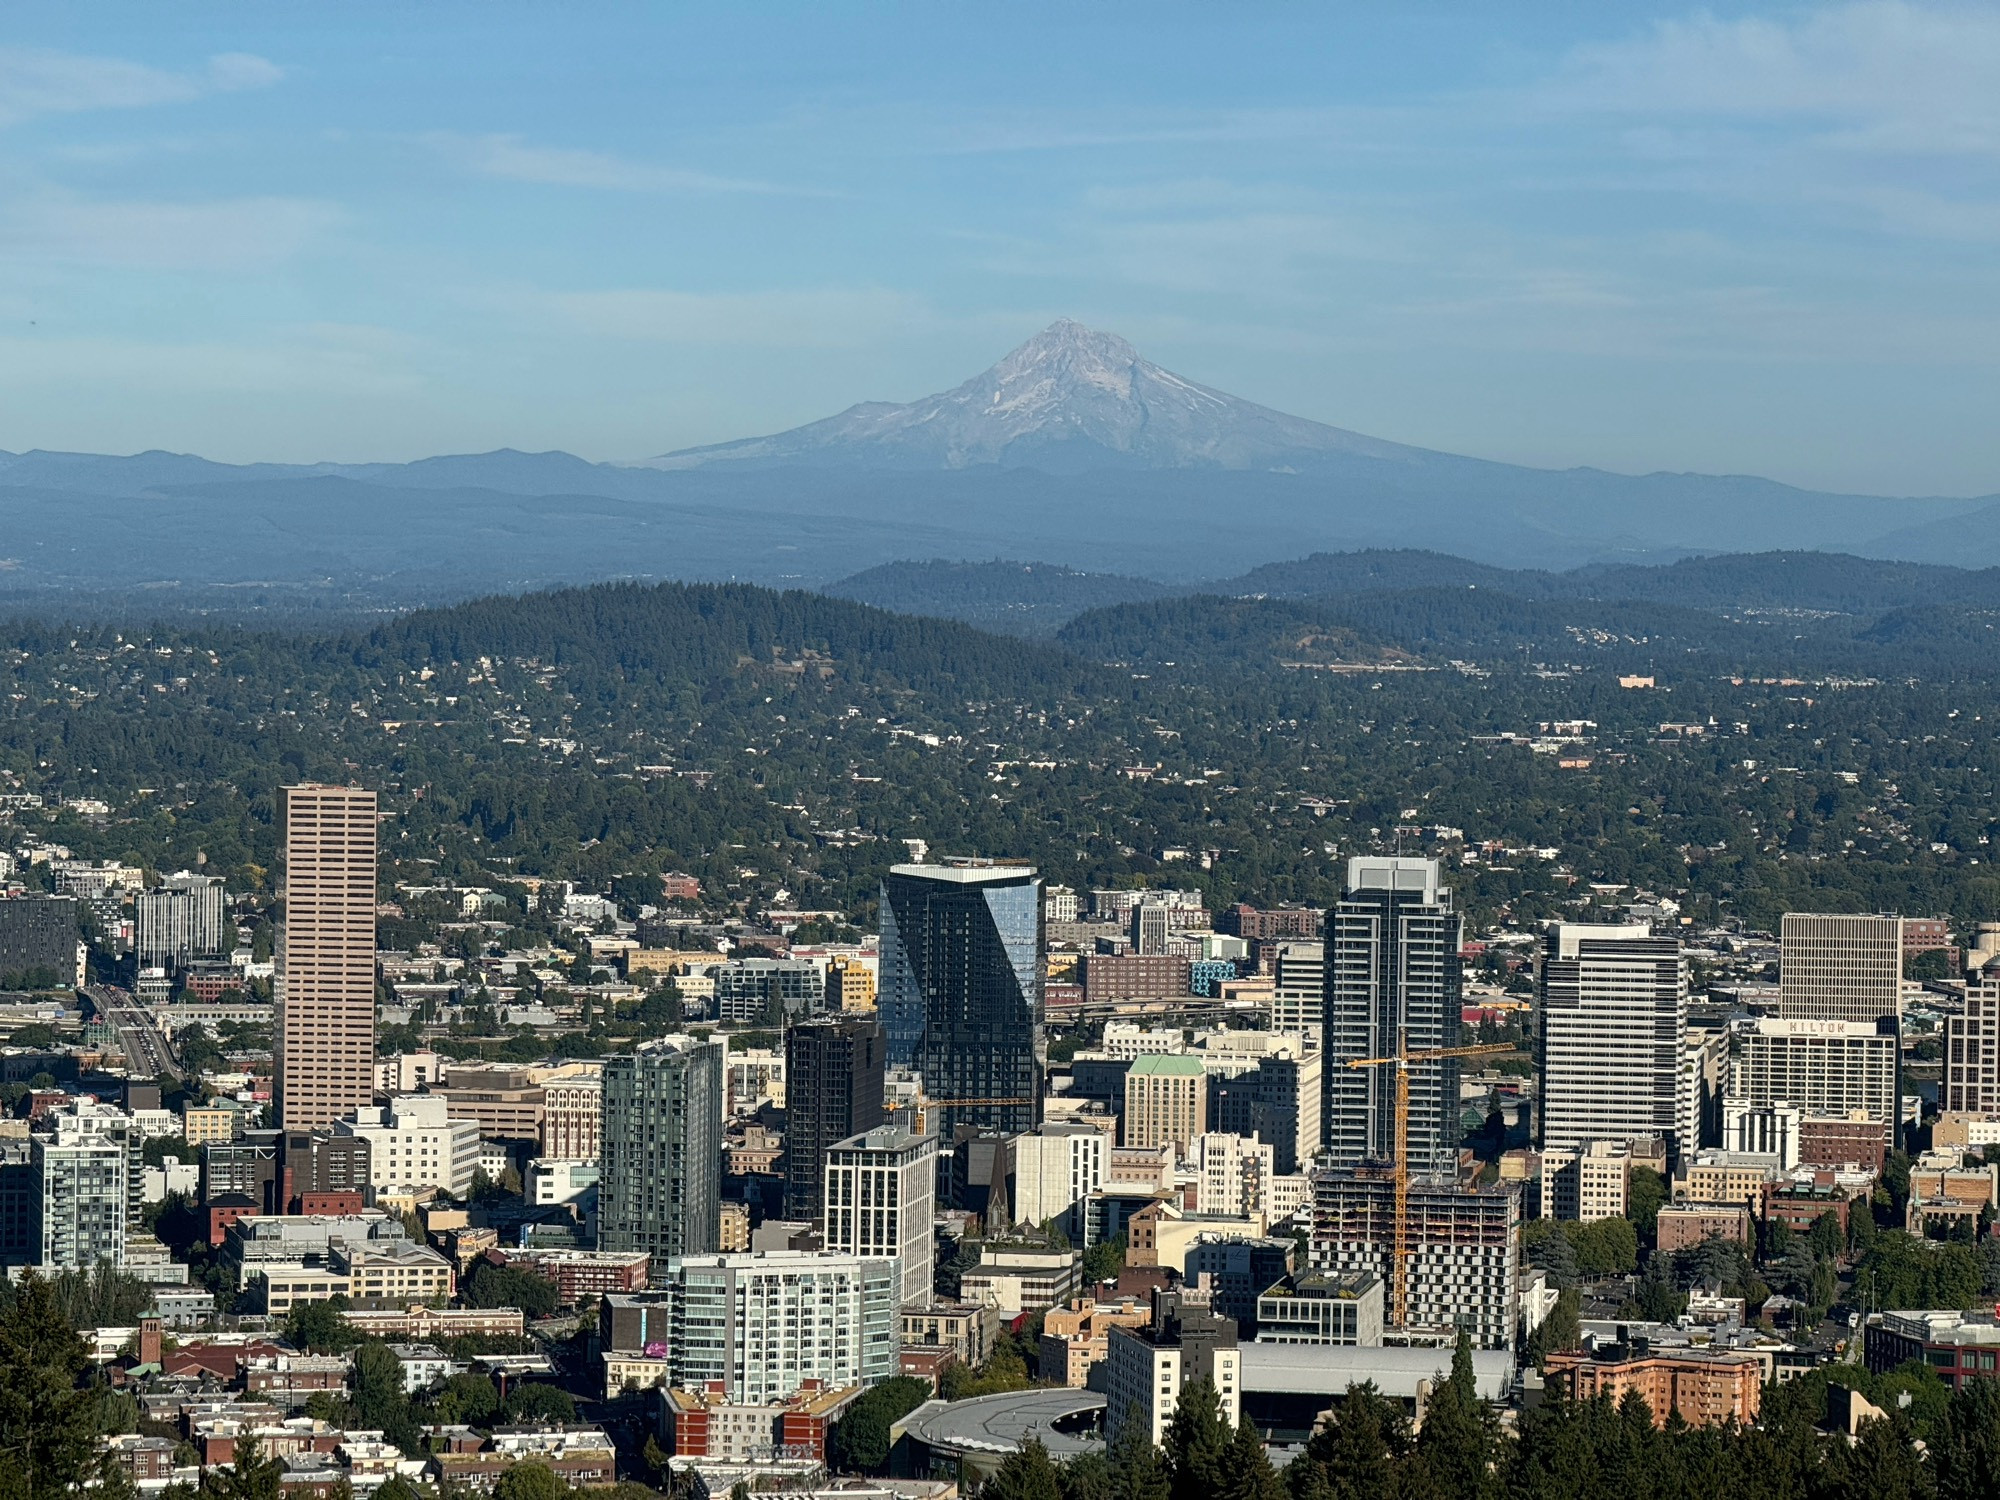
961 991
1393 984
834 1067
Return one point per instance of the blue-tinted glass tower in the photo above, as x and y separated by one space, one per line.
960 997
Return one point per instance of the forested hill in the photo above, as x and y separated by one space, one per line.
1035 598
1021 598
699 633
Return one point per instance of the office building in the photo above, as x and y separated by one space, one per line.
325 1042
834 1077
1277 1100
1298 996
879 1199
415 1142
1971 1081
1610 1021
1146 1368
1821 1067
572 1115
661 1186
850 983
1463 1247
1232 1176
1588 1182
960 992
179 922
1166 1102
767 991
762 1325
1393 985
1839 968
1056 1167
1152 922
1324 1309
1704 1082
324 1171
1236 1272
38 942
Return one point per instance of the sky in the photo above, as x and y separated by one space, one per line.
1752 240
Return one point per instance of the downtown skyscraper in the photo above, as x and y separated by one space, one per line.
834 1069
961 990
325 1041
1393 986
1610 1015
660 1188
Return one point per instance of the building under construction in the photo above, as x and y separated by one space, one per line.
1461 1247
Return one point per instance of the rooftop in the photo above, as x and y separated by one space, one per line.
1066 1422
1167 1065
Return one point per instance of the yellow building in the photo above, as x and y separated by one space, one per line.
205 1125
850 985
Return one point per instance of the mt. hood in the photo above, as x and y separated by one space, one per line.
1069 400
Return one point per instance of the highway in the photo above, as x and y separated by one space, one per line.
146 1049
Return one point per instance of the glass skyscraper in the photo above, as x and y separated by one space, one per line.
960 998
1393 985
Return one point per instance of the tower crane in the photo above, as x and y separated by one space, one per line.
1399 1264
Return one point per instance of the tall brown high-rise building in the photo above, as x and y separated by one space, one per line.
326 955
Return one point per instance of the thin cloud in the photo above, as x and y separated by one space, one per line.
512 159
220 235
34 82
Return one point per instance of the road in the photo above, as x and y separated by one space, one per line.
145 1044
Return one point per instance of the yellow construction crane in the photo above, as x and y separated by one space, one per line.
1399 1262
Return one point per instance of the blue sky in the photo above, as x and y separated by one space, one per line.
1754 240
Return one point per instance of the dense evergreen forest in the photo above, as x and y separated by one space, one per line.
768 741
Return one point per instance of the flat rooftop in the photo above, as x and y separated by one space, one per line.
1067 1422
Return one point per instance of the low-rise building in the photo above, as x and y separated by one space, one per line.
580 1275
965 1329
1703 1387
1681 1226
703 1423
1321 1307
393 1273
1020 1278
1076 1339
1958 1346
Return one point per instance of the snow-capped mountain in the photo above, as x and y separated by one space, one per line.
1071 398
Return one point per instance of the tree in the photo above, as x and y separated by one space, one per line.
1247 1471
1138 1469
1457 1438
530 1480
489 1285
1966 1454
536 1401
1561 1330
1197 1444
250 1476
1104 1260
45 1433
320 1327
861 1437
1645 1194
1025 1474
396 1487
